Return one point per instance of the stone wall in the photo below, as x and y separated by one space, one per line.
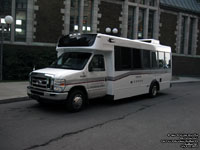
19 60
185 66
109 16
49 22
168 23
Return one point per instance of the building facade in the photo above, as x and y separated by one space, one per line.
39 23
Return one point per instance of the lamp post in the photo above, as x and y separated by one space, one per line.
8 21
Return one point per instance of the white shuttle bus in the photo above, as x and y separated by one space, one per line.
97 65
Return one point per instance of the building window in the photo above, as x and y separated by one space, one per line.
75 13
141 24
191 37
131 16
20 20
151 24
74 16
188 34
5 9
142 2
152 3
141 20
133 1
87 19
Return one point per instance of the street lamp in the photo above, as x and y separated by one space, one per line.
115 30
108 30
8 21
111 31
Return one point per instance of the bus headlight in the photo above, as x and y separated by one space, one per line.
59 85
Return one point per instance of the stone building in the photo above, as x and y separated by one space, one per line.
39 23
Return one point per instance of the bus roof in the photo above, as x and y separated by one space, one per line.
106 42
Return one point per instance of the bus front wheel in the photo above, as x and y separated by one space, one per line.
76 101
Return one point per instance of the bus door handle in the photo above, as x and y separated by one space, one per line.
83 75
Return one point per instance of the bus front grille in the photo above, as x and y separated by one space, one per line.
39 81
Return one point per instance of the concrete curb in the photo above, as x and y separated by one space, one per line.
12 100
177 82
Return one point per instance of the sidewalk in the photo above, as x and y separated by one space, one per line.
13 92
16 91
185 79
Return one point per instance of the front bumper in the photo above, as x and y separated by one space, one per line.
38 94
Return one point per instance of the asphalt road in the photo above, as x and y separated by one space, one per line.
137 123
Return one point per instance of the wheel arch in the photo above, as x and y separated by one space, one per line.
81 88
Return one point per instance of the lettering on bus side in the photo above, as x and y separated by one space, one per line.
138 81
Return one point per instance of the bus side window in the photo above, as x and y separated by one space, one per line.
161 59
167 60
123 58
146 59
137 62
97 63
154 56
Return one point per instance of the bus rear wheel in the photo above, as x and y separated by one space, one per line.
153 91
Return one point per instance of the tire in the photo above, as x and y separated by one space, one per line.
76 101
153 91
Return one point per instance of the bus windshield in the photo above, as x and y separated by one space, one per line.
71 60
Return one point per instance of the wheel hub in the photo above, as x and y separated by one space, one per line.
77 101
154 90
